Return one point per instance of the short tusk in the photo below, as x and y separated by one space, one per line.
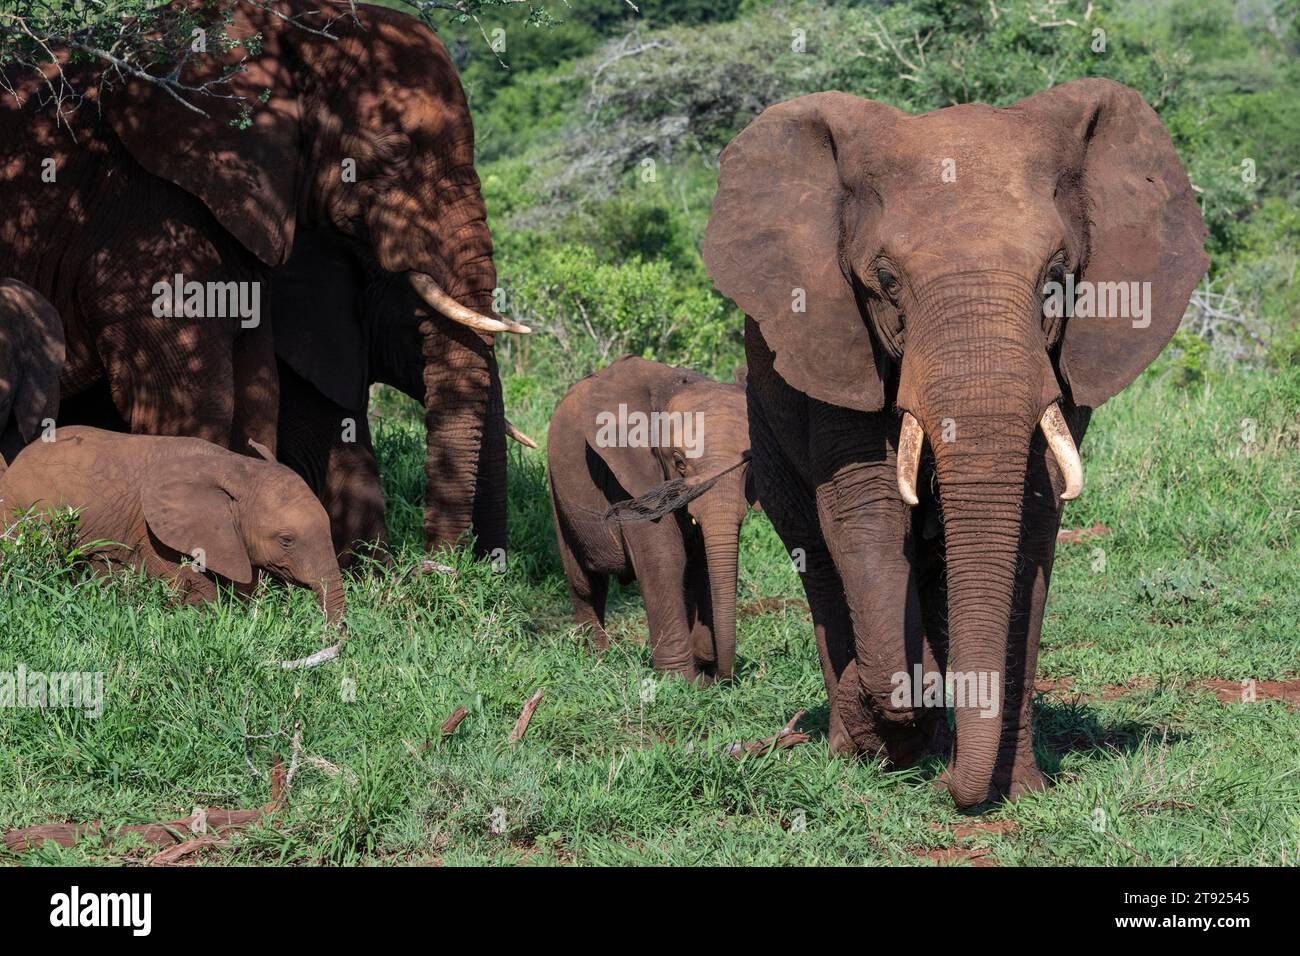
1062 445
519 436
909 457
436 298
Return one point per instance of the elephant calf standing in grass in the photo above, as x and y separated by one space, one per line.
181 508
649 475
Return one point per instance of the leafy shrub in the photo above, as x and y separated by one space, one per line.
596 311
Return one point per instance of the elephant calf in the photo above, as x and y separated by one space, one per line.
181 508
649 476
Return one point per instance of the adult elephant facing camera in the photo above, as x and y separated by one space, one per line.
892 268
361 138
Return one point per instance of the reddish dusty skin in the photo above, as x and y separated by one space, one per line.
160 499
686 559
146 188
31 355
891 263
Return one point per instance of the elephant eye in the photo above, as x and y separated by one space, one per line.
888 282
679 463
286 539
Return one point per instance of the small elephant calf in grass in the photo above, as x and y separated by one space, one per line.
649 476
182 509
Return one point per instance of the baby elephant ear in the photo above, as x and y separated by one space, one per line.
1122 183
190 507
773 244
639 388
31 357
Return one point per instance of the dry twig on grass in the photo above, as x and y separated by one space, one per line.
787 736
526 715
451 723
204 827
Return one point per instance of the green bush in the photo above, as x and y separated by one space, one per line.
595 311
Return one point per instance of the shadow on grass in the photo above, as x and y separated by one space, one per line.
1072 726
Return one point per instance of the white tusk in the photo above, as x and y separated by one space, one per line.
519 436
1062 445
436 298
909 457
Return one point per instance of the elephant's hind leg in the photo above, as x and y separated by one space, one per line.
588 589
588 592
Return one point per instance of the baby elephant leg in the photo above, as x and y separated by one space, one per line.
659 560
587 589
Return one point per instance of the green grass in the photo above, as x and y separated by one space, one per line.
1200 581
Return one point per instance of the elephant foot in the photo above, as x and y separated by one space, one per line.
1025 779
596 637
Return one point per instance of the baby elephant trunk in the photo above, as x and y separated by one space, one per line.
721 543
329 590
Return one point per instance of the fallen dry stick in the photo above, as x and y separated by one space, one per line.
787 736
451 723
175 833
1075 535
174 854
521 725
159 834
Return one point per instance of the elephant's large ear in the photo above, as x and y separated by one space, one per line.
242 159
641 387
1124 185
31 357
189 505
774 241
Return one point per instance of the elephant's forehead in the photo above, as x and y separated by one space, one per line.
972 152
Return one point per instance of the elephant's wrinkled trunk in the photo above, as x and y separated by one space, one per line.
976 387
982 535
721 544
329 591
465 461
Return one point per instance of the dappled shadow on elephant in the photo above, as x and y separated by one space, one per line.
379 168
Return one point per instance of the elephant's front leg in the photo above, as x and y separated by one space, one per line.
257 390
329 446
659 561
867 528
699 596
